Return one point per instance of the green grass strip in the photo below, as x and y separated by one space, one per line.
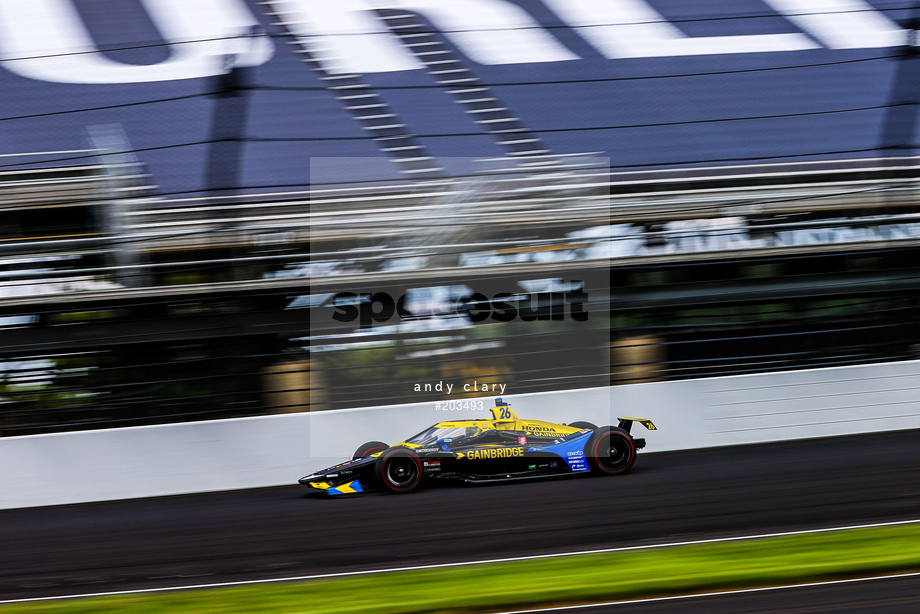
542 582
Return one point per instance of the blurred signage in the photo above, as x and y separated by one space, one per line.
48 39
687 236
646 83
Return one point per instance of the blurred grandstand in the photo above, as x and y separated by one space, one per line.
127 297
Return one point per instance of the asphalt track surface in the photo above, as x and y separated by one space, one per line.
282 532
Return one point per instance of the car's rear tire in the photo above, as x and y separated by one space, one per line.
371 447
398 470
610 450
583 425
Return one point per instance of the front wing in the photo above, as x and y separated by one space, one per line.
342 479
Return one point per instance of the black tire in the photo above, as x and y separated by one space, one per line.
371 447
398 470
610 450
583 425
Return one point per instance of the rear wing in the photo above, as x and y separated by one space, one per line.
626 424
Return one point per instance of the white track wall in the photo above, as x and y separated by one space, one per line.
274 450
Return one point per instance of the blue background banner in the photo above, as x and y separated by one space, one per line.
827 99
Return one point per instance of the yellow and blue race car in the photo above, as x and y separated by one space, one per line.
504 448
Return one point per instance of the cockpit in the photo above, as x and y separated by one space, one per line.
435 434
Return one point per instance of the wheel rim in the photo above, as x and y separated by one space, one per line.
615 453
401 472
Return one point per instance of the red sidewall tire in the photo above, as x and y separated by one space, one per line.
398 470
371 447
613 444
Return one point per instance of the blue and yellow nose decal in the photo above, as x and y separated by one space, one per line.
342 489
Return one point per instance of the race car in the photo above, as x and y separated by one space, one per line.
505 448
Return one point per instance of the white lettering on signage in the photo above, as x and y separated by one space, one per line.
498 32
841 24
633 29
357 41
47 40
489 31
345 35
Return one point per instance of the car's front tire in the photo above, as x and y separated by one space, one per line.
371 447
398 470
610 450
